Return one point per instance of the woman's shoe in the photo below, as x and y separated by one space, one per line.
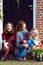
24 58
3 59
20 59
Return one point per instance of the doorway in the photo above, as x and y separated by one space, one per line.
14 11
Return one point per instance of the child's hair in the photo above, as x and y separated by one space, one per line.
5 28
35 33
19 25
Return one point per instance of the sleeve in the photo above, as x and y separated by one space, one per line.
30 42
26 38
11 38
26 32
18 40
3 37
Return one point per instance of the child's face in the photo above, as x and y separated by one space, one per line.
33 35
24 27
9 27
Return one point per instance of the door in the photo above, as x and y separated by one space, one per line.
15 10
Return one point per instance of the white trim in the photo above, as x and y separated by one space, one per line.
1 24
34 13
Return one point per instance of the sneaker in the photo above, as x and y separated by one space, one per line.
24 58
20 59
3 59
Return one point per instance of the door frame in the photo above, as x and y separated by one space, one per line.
1 23
34 13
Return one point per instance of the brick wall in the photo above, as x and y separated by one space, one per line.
39 23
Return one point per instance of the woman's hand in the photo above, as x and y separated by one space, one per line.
6 45
24 41
25 45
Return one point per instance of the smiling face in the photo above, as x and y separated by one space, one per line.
9 27
34 33
24 27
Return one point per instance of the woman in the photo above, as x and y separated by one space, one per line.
8 38
21 45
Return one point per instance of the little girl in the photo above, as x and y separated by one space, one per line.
34 39
8 38
21 45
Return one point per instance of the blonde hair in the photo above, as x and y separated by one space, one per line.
19 26
5 28
36 37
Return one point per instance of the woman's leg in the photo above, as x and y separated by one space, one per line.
6 53
11 48
7 50
22 52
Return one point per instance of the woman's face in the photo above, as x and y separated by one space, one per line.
24 27
9 27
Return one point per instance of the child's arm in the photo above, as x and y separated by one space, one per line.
26 39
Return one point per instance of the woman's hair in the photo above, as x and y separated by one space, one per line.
19 26
5 28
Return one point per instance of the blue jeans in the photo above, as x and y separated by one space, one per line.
23 51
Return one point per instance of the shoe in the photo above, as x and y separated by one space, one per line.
24 58
20 59
3 59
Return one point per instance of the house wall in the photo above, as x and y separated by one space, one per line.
39 18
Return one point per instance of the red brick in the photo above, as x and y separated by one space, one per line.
39 18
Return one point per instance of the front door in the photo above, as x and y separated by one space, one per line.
15 10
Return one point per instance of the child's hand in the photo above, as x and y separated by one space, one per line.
33 47
40 45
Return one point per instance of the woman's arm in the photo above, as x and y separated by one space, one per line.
3 37
17 40
11 38
20 40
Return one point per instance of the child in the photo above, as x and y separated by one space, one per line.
21 32
34 39
8 38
